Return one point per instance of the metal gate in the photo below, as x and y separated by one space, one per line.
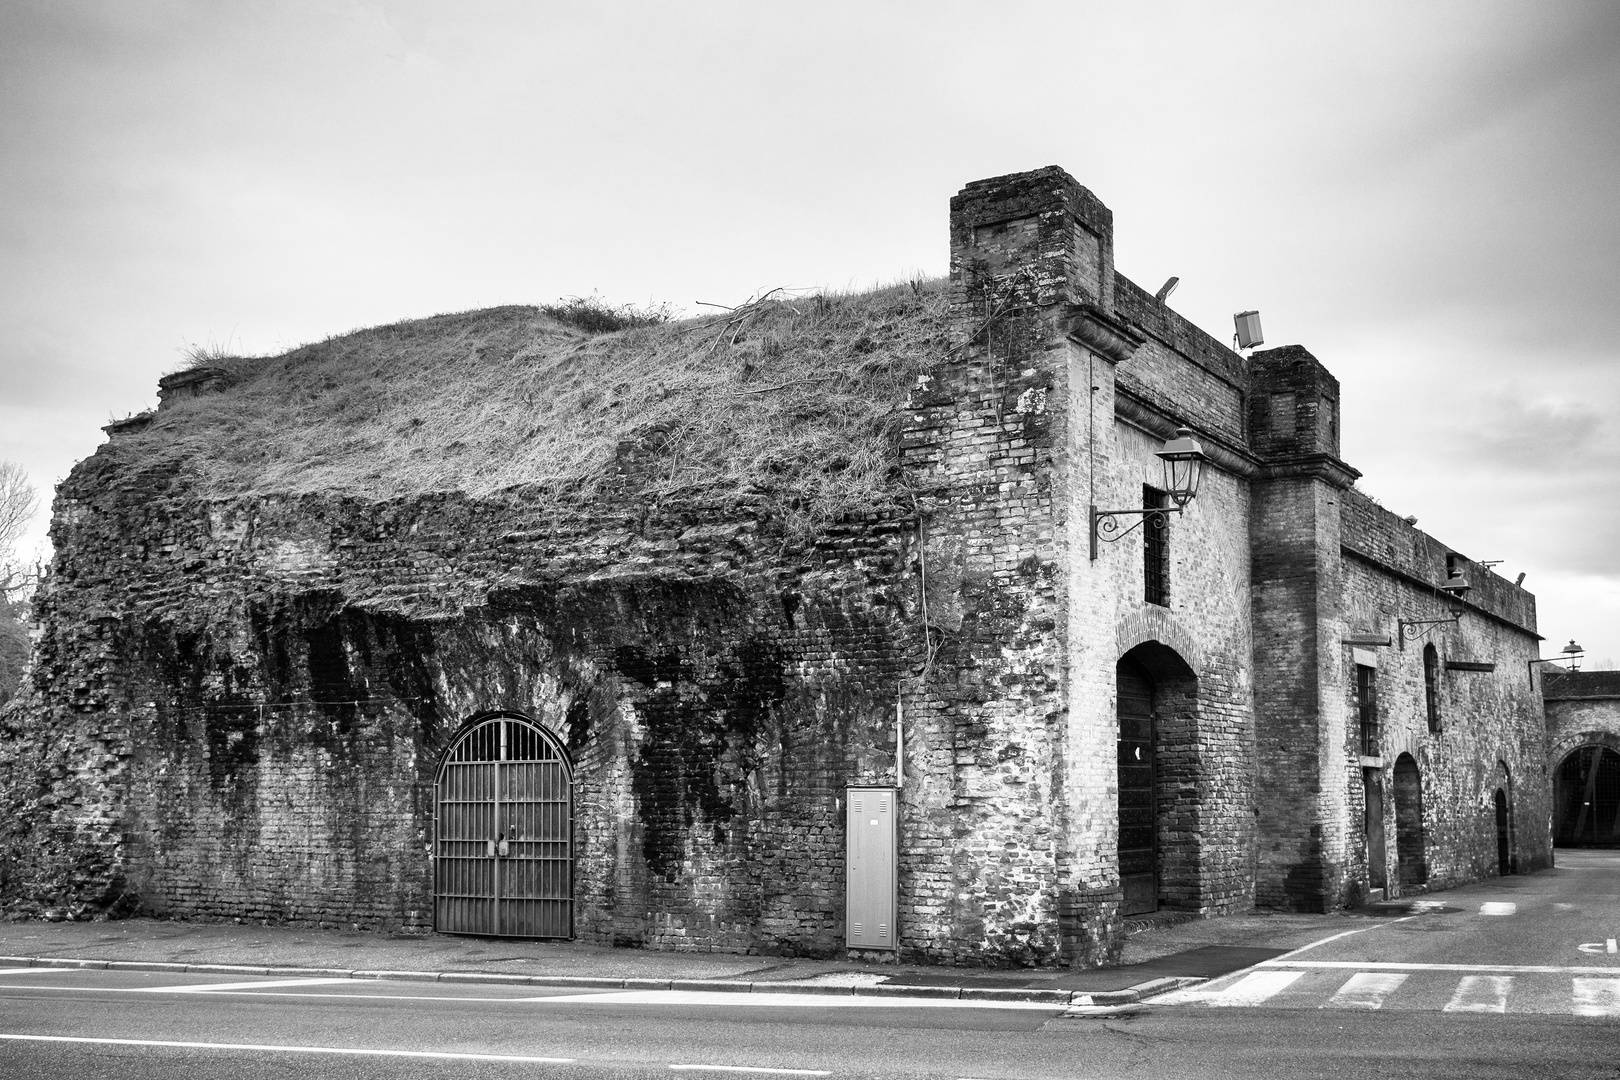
1586 799
1138 801
503 861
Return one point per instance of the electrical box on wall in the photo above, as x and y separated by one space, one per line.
870 867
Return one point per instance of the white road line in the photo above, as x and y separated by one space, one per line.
31 971
1597 997
283 1049
749 1069
230 988
817 1001
1365 990
1481 994
1380 965
1253 988
619 997
1493 907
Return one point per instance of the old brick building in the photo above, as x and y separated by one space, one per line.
946 721
1583 753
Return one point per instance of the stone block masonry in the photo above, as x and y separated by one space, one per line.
238 707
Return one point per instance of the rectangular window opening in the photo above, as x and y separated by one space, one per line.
1155 549
1367 708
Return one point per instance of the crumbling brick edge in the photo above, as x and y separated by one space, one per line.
1106 999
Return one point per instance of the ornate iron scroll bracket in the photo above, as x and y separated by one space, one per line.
1107 528
1418 629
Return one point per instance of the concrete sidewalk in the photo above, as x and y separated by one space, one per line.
1156 959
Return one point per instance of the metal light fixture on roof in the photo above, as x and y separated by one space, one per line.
1182 461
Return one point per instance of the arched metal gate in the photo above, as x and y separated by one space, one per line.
503 859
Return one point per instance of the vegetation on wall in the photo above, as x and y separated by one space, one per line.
796 398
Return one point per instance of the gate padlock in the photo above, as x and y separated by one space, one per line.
504 848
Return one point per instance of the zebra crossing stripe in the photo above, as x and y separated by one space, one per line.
1481 993
1254 988
1597 997
1365 990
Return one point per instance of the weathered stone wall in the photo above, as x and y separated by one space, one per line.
238 707
248 702
1490 723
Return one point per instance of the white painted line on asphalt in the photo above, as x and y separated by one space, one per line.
230 988
1336 937
1366 990
1253 989
1494 907
1597 997
616 997
1481 994
817 1001
749 1069
438 1055
31 971
1384 965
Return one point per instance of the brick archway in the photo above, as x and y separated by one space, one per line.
1157 625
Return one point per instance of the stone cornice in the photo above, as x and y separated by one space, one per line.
1324 467
1161 423
1101 333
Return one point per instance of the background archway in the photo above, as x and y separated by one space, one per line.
1586 798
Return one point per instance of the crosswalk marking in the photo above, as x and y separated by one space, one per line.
1365 990
1597 997
1254 988
1481 993
1493 907
1392 990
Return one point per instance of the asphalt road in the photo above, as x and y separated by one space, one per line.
1295 1020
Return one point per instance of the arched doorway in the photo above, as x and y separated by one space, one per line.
1414 869
503 823
1504 845
1157 772
1586 799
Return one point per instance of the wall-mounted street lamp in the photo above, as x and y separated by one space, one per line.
1570 654
1456 587
1182 460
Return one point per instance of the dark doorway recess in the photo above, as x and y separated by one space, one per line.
1377 866
1586 799
1504 843
503 859
1138 810
1158 767
1414 867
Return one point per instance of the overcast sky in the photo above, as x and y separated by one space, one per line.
1427 196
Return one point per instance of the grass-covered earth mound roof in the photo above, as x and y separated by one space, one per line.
795 397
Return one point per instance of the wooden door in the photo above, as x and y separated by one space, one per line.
1138 803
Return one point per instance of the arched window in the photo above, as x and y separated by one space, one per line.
1431 686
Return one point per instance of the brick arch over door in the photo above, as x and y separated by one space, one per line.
1155 625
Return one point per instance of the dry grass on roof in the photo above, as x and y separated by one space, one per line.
799 400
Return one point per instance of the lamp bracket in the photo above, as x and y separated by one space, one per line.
1417 629
1106 526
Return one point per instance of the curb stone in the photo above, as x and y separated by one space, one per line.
1097 1003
